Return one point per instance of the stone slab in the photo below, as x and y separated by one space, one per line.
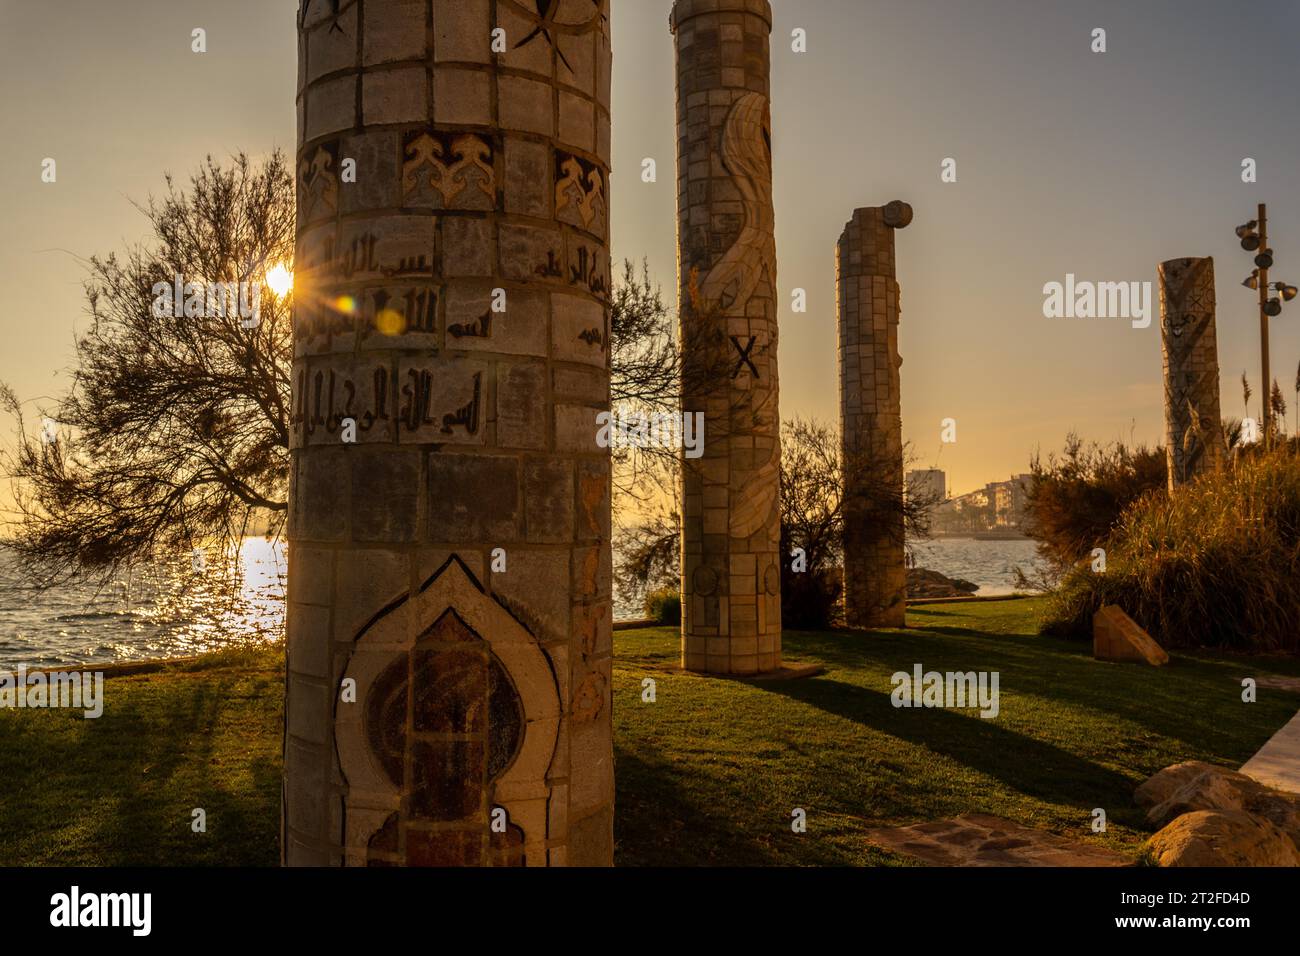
638 624
784 672
1117 637
787 672
1277 764
979 839
1290 685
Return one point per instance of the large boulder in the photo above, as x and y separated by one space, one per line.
1161 785
1188 787
1222 838
924 583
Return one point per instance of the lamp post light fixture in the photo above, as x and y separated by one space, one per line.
1246 233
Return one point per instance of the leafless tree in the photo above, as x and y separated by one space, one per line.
814 474
174 430
650 375
813 471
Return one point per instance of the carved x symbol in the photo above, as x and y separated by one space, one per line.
545 20
744 351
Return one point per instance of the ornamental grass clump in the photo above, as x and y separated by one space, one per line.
1216 563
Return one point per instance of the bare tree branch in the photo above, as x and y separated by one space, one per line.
175 429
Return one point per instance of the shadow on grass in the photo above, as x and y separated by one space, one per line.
655 825
1020 762
127 782
1193 701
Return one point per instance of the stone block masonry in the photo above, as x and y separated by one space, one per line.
731 561
450 614
1194 441
867 294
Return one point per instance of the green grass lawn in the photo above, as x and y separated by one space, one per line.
119 790
708 774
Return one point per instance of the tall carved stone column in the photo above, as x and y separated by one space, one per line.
1194 441
871 417
731 578
448 692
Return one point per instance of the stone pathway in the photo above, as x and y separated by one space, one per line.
978 839
1277 764
1278 682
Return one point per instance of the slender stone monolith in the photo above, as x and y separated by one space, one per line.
875 576
731 575
1193 429
448 692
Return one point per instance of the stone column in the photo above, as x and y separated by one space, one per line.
1194 441
731 577
449 621
875 577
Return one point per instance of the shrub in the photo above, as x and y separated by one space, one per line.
1217 563
811 601
1074 502
664 606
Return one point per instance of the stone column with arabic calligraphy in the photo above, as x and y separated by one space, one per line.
1194 441
871 419
449 621
731 573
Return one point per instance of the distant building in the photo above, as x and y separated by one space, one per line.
1017 495
1001 494
998 507
928 484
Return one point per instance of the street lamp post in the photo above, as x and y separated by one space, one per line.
1267 380
1254 238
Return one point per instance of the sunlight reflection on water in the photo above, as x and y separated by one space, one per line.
170 610
990 564
167 609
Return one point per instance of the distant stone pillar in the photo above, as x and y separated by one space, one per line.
449 614
871 417
731 574
1194 441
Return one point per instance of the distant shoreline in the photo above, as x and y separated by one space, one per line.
1008 535
151 665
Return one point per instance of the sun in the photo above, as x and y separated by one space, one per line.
280 279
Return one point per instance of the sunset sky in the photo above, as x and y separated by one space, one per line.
1068 161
